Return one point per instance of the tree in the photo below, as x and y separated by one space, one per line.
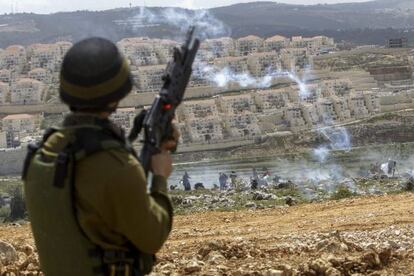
17 205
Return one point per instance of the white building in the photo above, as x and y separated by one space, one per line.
124 117
262 64
236 65
237 104
220 47
269 100
4 92
13 58
47 56
356 103
20 123
249 45
149 78
203 123
3 140
276 43
242 125
5 76
41 75
27 91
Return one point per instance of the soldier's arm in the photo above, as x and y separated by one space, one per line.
144 219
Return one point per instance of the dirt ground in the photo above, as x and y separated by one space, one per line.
359 236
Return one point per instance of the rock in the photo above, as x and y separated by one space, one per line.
222 268
250 204
192 267
290 201
385 256
22 261
28 250
372 260
215 257
257 195
332 272
274 272
320 266
287 269
9 253
32 267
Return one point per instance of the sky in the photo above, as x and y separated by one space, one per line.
50 6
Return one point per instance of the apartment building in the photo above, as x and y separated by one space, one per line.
312 44
195 110
249 45
326 110
293 58
13 58
356 103
336 87
64 47
276 43
242 125
205 130
41 75
27 91
124 117
5 76
4 92
237 65
342 110
140 51
149 78
20 123
203 123
372 102
261 64
3 139
237 104
269 100
165 49
311 94
47 56
220 47
293 116
310 114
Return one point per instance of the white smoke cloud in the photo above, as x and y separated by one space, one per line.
207 26
224 77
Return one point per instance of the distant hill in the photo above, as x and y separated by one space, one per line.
362 23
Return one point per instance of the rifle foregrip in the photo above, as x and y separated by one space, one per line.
146 154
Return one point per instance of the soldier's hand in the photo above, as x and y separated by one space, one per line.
171 144
161 164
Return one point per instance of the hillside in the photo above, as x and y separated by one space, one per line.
359 236
362 23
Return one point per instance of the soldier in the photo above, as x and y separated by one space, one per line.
86 191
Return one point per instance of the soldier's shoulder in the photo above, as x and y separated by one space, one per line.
116 156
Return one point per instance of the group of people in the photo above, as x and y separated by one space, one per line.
232 180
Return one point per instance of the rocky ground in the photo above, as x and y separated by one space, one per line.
371 235
286 193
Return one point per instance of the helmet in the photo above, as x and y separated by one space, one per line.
94 74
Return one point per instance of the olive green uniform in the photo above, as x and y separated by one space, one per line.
111 202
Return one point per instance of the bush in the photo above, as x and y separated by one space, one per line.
342 192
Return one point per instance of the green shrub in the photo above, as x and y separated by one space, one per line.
342 192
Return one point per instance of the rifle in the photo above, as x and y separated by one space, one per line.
156 122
